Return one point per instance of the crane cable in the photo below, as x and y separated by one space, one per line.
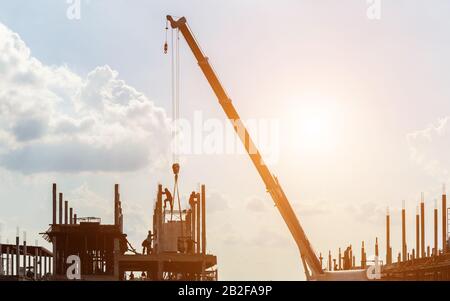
175 86
175 90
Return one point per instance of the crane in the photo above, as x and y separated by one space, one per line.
311 264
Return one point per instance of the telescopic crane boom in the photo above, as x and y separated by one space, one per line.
311 263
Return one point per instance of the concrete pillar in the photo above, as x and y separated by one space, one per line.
54 258
116 204
388 237
329 261
363 256
17 253
199 215
340 259
40 263
60 208
35 263
193 216
159 220
193 221
422 227
350 257
8 265
66 212
444 221
377 253
436 247
404 249
203 220
54 204
25 252
417 234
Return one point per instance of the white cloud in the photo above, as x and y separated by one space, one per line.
267 237
256 204
368 212
308 208
52 119
87 203
217 202
429 148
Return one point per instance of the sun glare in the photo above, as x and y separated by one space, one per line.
314 125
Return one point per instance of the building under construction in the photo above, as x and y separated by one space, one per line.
86 249
20 261
175 249
421 262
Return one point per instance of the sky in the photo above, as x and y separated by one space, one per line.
355 107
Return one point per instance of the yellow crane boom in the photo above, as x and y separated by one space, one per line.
310 261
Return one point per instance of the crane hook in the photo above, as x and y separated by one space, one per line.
176 170
166 45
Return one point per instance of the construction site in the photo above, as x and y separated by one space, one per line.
418 263
175 248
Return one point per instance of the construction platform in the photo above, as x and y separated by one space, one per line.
175 250
435 268
189 265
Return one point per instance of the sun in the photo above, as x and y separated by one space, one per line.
314 129
313 125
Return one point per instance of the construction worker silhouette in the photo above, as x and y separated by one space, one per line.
169 199
147 244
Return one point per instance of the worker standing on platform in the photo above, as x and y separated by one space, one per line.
147 244
169 199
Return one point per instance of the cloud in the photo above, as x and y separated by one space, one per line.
76 156
429 148
311 208
266 237
368 212
256 204
87 203
53 120
29 129
217 202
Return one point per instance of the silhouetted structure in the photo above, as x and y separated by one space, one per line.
421 263
178 243
95 244
19 262
175 250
